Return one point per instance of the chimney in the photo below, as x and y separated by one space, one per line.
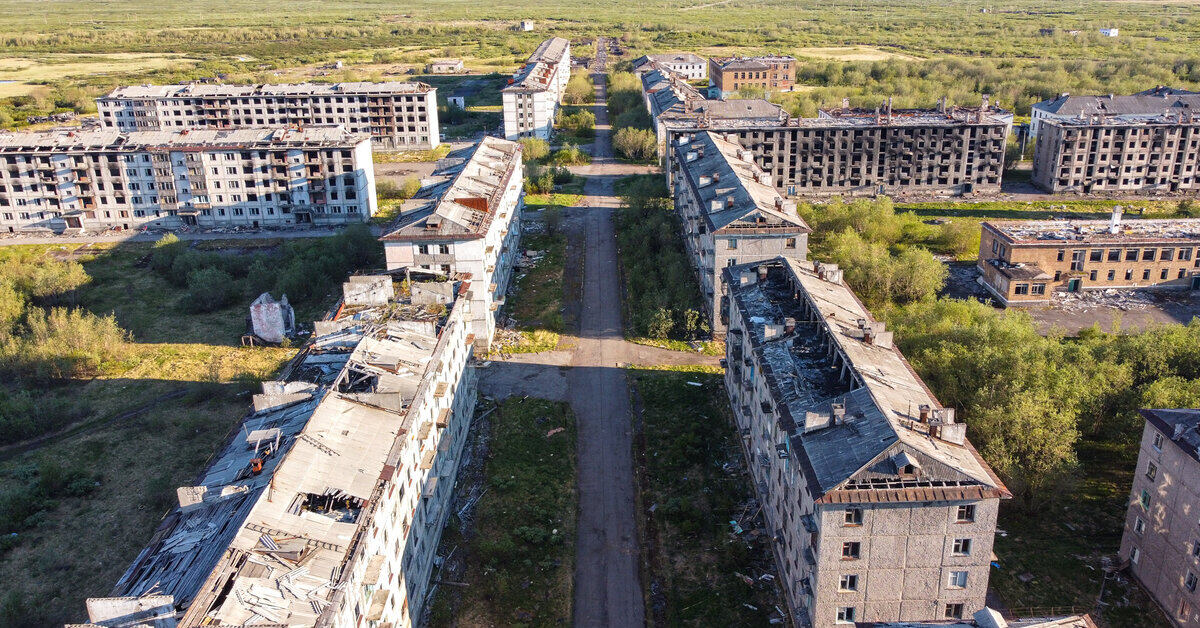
942 105
716 177
1114 223
762 273
868 335
889 109
839 413
923 412
878 116
845 103
789 325
987 99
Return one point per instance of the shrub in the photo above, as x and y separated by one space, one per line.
534 149
580 123
569 155
579 90
386 189
636 144
209 289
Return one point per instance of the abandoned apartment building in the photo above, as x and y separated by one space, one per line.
690 66
772 73
1148 104
533 94
102 178
397 115
467 221
730 214
1026 262
878 506
1100 153
943 151
326 507
1160 546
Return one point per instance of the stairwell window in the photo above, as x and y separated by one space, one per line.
1158 441
854 517
848 583
1152 471
957 580
962 547
731 243
846 615
1139 525
850 550
1190 582
954 611
965 514
1145 500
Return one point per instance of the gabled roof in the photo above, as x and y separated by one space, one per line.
734 192
1180 426
1156 102
879 396
463 203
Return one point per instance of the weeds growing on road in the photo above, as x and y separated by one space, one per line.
693 485
521 558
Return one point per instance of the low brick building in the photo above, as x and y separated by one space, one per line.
1026 262
1161 542
726 75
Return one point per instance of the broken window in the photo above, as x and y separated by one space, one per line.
850 550
1114 255
1131 255
1190 582
954 611
1145 499
965 514
1096 255
1148 255
1158 441
1152 471
848 583
846 615
854 516
1139 526
1038 289
962 547
1021 288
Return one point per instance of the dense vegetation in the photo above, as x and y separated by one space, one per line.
684 453
633 137
519 569
662 297
307 270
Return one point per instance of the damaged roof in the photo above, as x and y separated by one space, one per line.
860 458
463 202
111 139
733 191
539 68
1181 426
198 90
1058 232
1150 103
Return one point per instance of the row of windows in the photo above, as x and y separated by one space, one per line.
853 516
852 550
849 614
1129 255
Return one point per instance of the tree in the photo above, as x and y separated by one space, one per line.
579 90
1029 439
636 144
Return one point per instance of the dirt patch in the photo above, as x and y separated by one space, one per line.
853 53
1126 310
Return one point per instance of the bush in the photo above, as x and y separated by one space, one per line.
569 155
534 149
580 123
579 90
539 181
636 144
209 289
386 189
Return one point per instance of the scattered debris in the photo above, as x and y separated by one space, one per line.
555 431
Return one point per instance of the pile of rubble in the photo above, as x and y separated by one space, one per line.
1124 300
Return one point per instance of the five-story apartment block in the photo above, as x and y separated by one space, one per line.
1161 543
468 222
103 178
730 214
398 116
878 506
533 94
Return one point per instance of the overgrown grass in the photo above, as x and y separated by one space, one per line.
536 303
410 156
520 563
1063 547
707 347
689 442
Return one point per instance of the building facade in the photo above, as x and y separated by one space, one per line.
468 223
878 507
1161 543
730 214
691 67
398 116
326 509
1148 105
726 75
532 96
1118 154
943 151
105 179
1026 262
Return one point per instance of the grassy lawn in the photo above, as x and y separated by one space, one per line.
707 347
1064 547
520 562
692 558
126 438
